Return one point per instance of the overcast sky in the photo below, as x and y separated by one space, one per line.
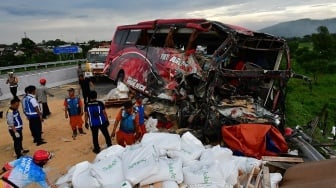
84 20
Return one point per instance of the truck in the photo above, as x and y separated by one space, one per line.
94 65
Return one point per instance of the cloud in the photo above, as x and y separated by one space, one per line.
83 20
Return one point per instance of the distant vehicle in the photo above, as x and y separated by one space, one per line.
95 61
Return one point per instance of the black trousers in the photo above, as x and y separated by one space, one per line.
45 110
13 90
17 142
85 97
106 134
35 126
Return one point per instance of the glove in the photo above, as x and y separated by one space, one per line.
87 126
17 135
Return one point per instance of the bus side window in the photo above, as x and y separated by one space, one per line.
143 39
133 37
120 36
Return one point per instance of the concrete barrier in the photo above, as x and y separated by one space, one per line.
55 77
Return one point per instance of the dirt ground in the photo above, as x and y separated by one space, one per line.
57 133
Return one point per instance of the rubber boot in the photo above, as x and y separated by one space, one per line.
74 134
81 131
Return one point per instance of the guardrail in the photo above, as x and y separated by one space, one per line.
54 76
25 67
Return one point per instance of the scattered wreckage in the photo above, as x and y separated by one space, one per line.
210 77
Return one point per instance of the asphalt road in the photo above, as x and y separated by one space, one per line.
57 78
102 85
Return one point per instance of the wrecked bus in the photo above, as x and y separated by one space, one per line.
214 74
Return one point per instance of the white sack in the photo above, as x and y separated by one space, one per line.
82 178
114 150
275 179
115 94
151 125
169 170
203 173
201 186
165 141
191 148
122 88
230 171
120 92
139 162
125 184
169 184
64 185
216 153
66 178
108 171
246 164
227 164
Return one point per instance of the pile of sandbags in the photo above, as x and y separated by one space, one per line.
172 160
120 92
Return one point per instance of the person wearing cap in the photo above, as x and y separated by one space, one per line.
26 171
42 97
73 109
129 125
13 83
32 111
140 108
14 122
97 119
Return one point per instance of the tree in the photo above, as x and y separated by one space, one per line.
293 46
27 43
323 43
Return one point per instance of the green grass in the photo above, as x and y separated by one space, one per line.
303 104
308 45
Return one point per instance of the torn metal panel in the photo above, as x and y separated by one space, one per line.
203 68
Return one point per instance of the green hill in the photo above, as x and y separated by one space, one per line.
299 28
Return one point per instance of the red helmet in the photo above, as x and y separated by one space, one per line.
43 81
42 156
288 131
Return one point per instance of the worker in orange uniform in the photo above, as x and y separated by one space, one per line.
129 125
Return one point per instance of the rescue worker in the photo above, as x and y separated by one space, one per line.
73 109
42 97
140 108
26 171
129 125
96 118
33 114
13 83
14 123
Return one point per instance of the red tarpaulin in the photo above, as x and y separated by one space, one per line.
254 140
